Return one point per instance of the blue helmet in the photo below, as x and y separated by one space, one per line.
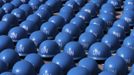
111 41
43 14
37 37
19 13
49 29
116 64
71 29
16 3
62 41
128 42
48 49
106 73
17 33
95 30
108 8
35 60
108 18
91 8
67 13
9 56
50 69
84 15
98 21
129 2
79 71
7 73
97 2
34 18
8 7
23 67
3 66
29 26
78 22
75 50
86 39
57 20
128 17
34 4
122 24
6 42
72 4
118 32
99 51
116 3
44 6
26 8
80 2
90 64
64 64
128 8
10 18
127 54
4 27
25 46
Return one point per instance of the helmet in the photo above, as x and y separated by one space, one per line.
129 2
108 8
37 37
50 69
44 14
10 18
97 2
19 13
79 71
128 8
4 27
3 66
9 56
29 26
80 2
84 15
7 73
44 6
57 20
86 39
90 64
72 4
91 8
127 54
64 64
95 30
34 4
25 46
8 7
78 22
17 33
128 17
26 8
35 60
75 50
67 13
16 3
119 67
129 42
106 73
118 32
72 29
6 42
116 3
49 29
98 21
99 51
111 41
108 18
48 48
122 24
34 18
62 41
23 67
